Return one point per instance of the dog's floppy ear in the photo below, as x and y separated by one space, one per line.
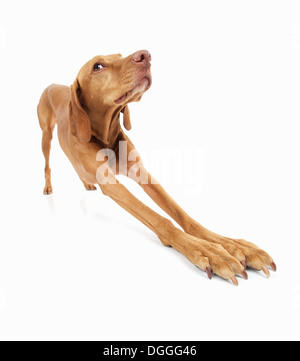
126 118
79 120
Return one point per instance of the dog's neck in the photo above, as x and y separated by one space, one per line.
106 126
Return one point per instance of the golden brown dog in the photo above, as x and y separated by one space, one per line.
89 132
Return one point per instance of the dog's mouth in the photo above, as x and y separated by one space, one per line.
141 86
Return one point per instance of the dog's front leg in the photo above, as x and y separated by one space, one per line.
245 252
207 256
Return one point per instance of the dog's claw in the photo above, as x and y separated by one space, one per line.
234 281
209 272
266 271
273 266
243 263
245 275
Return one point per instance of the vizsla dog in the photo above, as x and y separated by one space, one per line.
88 117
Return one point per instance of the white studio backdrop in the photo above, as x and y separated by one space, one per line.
224 99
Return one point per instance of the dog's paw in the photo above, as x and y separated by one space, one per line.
247 253
90 187
210 257
48 190
254 256
214 259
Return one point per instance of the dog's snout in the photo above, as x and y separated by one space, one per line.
142 56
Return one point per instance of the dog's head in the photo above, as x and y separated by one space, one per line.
106 84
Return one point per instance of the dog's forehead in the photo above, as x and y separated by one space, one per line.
106 58
101 59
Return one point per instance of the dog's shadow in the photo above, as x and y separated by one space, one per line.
51 205
148 235
104 217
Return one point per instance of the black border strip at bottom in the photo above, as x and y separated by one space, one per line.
101 350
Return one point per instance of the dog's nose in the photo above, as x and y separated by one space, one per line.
141 56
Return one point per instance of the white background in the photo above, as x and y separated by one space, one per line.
226 86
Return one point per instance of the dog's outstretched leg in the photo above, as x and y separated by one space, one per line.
246 253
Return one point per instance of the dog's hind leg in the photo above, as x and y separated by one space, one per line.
46 146
47 123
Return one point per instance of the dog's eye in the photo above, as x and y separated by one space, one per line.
98 67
